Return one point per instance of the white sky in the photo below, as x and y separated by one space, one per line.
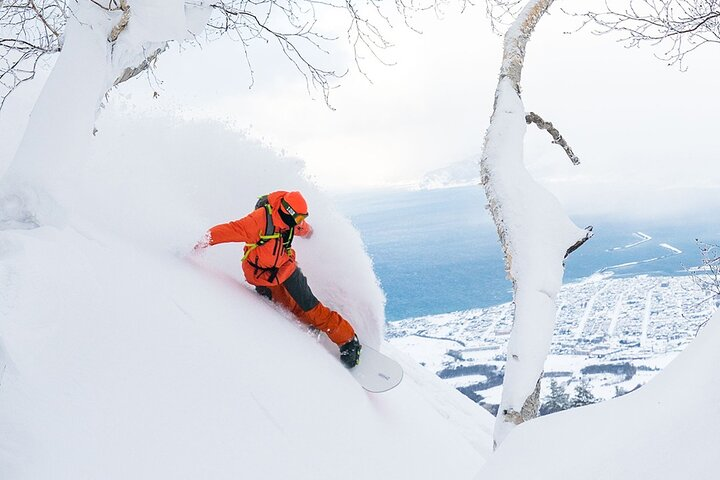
428 110
645 132
625 113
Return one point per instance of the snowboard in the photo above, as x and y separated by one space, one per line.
376 372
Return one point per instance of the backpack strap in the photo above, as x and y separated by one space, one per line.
269 229
269 226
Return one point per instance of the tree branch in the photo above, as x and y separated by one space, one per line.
122 24
681 25
42 19
131 72
557 138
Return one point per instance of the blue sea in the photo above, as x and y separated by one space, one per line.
436 251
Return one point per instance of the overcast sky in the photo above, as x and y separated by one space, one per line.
645 132
623 111
429 109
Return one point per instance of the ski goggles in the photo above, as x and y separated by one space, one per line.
298 217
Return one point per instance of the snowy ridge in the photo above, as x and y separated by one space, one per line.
122 359
461 173
139 364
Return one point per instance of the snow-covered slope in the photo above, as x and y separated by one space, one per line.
666 430
120 357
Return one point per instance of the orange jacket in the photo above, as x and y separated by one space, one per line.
272 262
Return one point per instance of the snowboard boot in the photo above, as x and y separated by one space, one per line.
350 352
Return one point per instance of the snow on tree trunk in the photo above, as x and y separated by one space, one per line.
101 47
62 118
534 231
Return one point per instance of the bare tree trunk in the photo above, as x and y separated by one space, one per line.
535 233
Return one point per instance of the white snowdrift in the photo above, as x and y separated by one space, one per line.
120 358
666 430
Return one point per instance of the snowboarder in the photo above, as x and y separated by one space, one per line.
269 264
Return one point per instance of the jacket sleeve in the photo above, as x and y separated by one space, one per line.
244 230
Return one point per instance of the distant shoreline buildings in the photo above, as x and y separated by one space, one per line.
612 334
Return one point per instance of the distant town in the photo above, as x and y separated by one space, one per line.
612 335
